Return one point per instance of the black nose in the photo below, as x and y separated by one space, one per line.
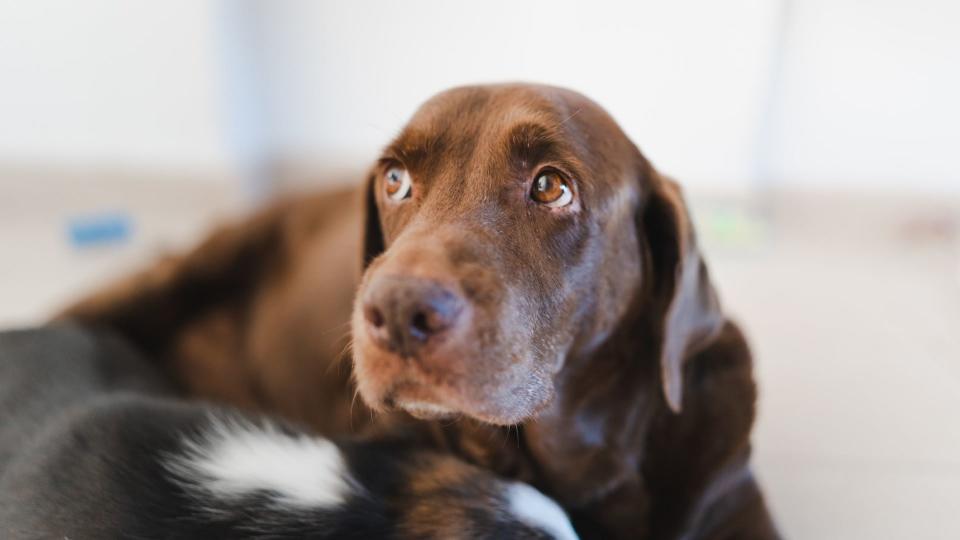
403 314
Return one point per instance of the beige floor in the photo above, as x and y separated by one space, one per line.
853 308
852 304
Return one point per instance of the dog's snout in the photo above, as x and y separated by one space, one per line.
404 314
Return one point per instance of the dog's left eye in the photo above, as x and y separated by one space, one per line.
551 189
397 183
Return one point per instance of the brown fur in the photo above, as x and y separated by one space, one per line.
596 362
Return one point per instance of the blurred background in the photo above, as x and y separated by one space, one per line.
819 142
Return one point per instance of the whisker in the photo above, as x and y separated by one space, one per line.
506 438
567 119
334 328
345 352
353 403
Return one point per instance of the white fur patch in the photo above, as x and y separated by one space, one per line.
234 458
537 510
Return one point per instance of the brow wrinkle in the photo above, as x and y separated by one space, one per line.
413 147
531 141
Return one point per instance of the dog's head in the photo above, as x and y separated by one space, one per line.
510 228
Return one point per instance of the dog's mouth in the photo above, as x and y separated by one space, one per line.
426 411
449 379
420 402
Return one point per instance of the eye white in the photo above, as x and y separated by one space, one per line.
405 184
564 199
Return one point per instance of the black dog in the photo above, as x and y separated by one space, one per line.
94 444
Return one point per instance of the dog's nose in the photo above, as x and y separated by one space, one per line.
404 314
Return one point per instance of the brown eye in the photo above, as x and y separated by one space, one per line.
397 183
551 189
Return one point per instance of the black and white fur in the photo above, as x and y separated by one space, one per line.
95 444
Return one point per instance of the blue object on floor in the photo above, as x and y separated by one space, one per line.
99 229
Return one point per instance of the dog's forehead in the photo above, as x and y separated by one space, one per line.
486 134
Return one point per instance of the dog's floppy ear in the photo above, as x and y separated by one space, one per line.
373 243
688 308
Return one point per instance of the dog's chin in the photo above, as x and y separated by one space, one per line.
428 404
386 382
421 401
424 410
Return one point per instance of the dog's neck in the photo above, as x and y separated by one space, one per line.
592 437
592 447
590 441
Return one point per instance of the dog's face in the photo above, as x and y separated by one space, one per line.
502 239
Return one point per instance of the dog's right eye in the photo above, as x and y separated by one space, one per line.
397 183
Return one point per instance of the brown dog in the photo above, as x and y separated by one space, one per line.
525 266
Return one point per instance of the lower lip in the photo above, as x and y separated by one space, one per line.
423 408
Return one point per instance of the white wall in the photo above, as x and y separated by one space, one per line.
870 95
686 79
846 93
111 82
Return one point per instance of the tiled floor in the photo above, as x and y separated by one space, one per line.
852 305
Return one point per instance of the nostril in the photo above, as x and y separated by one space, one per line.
420 327
435 316
373 316
402 314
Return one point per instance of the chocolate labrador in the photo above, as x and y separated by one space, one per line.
526 270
